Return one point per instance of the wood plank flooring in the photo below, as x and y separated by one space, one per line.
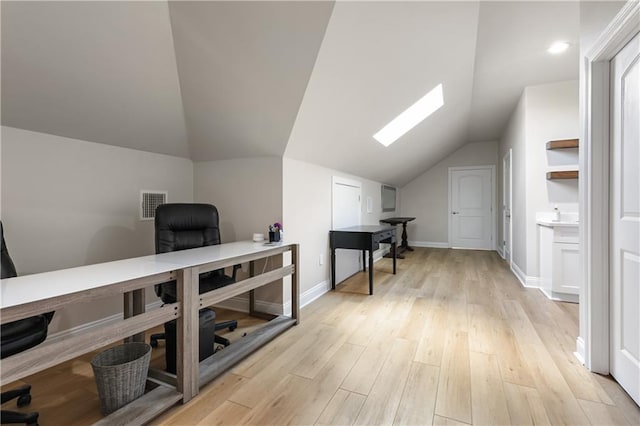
452 339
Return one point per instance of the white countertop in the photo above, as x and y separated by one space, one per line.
554 223
35 287
567 219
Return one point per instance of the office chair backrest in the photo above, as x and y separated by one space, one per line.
7 268
185 226
22 334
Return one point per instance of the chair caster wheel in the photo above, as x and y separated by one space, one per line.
154 343
232 328
24 400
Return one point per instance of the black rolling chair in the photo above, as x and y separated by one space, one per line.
185 226
16 337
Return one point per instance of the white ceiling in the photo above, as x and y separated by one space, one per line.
98 71
309 80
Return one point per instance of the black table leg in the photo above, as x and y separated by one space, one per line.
405 243
333 269
371 271
364 260
394 250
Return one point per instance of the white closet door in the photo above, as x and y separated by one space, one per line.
346 212
625 218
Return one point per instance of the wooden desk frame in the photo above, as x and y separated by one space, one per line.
364 238
190 373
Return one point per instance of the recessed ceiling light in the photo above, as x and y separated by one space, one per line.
558 47
413 115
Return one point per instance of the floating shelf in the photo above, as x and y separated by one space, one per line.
565 174
563 144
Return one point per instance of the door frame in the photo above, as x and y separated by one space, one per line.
493 201
593 343
508 179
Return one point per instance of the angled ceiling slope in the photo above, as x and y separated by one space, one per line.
511 53
98 71
205 80
244 67
377 59
314 80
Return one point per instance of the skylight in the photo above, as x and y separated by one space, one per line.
411 117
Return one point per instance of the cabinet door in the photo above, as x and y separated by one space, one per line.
566 268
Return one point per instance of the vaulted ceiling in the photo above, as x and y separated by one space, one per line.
212 80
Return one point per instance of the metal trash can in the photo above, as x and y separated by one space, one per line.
121 374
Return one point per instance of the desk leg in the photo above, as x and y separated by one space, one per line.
187 352
252 295
295 284
394 251
371 271
134 305
333 269
364 260
405 243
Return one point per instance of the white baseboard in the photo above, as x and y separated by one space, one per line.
533 282
579 353
500 252
241 304
430 244
315 292
526 281
112 319
559 297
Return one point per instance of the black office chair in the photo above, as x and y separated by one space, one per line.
185 226
18 336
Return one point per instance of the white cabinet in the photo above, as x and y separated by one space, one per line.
559 260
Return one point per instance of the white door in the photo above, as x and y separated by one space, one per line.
346 212
625 218
506 207
471 208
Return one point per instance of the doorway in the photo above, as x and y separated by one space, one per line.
610 266
471 201
506 207
346 211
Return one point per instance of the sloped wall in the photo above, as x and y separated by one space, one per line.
68 202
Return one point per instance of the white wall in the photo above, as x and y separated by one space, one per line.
248 195
307 198
515 138
551 114
67 202
427 197
546 112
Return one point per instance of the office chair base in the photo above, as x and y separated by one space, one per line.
23 393
153 340
30 419
221 340
231 325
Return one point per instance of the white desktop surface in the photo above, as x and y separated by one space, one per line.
31 288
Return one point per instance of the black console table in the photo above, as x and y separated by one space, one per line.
365 238
404 245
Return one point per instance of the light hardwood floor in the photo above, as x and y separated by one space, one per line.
452 339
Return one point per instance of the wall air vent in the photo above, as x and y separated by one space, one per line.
149 201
